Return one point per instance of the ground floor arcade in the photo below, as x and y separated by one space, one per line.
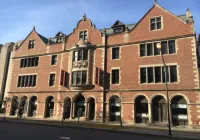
132 107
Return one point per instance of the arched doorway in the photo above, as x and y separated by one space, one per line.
179 111
159 109
141 110
49 107
14 106
67 108
32 106
79 103
91 108
23 104
114 108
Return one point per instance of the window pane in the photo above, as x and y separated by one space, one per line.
115 76
143 75
29 45
84 77
53 59
85 54
85 35
115 53
74 78
78 77
22 83
30 80
153 20
158 19
32 61
36 61
22 63
163 74
157 74
149 49
153 26
172 48
159 25
150 74
164 47
29 62
118 30
19 81
156 51
34 80
26 80
25 62
142 50
173 74
80 55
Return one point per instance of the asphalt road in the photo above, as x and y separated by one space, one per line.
17 131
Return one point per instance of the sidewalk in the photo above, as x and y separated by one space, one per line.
192 134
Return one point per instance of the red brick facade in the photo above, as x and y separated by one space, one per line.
129 63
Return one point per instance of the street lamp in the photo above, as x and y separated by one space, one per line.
159 47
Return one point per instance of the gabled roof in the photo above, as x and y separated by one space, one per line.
117 23
183 17
44 39
60 34
110 31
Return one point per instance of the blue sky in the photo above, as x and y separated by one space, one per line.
50 16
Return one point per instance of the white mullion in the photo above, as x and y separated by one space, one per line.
156 23
169 74
161 70
81 76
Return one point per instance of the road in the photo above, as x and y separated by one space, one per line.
17 131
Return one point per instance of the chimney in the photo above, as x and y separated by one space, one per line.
189 14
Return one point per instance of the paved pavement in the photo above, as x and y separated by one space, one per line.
22 131
148 130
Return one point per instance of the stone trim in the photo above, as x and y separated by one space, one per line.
195 67
124 90
103 46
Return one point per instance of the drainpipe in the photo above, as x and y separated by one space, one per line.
105 78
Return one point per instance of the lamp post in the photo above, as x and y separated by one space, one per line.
5 106
159 46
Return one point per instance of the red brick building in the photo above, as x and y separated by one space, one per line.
101 70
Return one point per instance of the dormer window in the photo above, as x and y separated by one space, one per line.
80 55
118 27
31 44
83 35
118 30
155 23
59 40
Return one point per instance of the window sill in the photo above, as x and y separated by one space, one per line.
81 87
158 55
25 87
115 84
156 30
116 59
159 83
